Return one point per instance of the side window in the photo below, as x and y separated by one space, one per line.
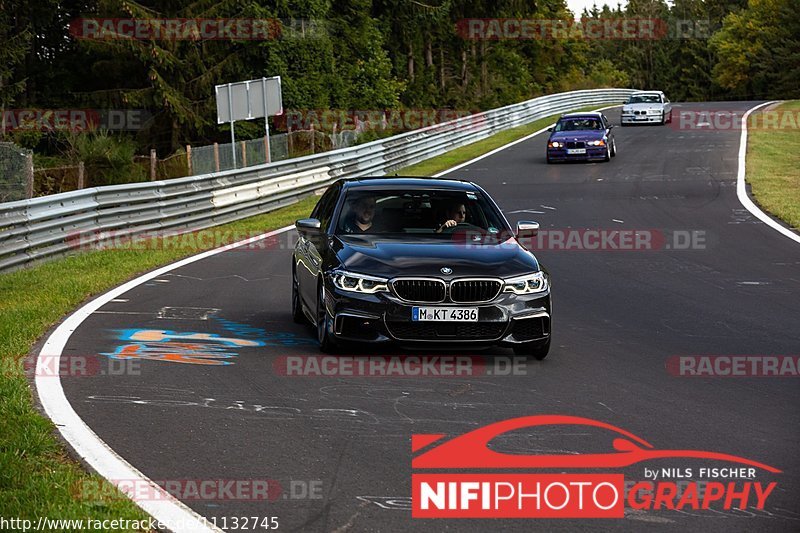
324 209
605 122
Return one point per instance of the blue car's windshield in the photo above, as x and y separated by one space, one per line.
578 124
420 212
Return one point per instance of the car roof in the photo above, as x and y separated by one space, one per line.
585 114
408 182
647 92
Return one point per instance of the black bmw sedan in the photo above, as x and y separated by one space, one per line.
418 261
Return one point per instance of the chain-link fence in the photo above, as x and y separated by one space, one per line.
218 157
16 172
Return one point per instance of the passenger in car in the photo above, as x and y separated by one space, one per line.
457 214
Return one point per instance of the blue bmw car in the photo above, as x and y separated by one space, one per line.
581 137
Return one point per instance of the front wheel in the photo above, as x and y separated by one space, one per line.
324 324
613 148
297 307
538 350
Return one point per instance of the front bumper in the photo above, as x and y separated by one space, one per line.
592 153
507 320
642 119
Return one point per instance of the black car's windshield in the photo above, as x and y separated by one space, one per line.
437 213
578 124
644 99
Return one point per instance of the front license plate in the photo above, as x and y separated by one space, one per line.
575 151
444 314
640 117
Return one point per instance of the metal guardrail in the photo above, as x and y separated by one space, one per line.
41 228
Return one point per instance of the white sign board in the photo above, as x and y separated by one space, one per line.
246 100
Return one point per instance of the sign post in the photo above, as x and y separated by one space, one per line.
246 100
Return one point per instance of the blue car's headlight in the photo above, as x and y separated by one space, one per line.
556 144
349 281
527 284
599 142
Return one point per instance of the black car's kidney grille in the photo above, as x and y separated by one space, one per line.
420 290
469 291
426 331
576 144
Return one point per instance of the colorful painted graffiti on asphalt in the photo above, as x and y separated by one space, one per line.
179 347
198 348
269 338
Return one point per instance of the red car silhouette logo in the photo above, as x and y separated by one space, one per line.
471 451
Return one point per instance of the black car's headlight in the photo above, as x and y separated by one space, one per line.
527 284
349 281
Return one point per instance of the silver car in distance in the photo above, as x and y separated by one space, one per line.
647 107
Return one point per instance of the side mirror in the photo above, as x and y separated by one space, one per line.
610 126
308 226
527 228
549 129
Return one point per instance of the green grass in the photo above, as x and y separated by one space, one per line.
773 161
471 151
37 477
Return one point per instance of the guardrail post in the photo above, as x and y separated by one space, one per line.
216 156
244 153
29 175
81 175
152 164
289 144
189 159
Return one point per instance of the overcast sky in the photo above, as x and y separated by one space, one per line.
576 6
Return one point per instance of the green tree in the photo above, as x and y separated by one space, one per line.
759 50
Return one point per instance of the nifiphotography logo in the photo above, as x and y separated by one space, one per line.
504 485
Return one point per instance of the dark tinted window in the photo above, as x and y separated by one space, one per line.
424 212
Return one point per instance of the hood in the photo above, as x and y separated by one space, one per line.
390 257
583 135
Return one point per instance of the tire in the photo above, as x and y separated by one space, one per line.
663 119
614 148
298 316
549 161
324 324
607 158
537 350
670 117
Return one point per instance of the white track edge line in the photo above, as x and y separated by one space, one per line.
741 188
173 513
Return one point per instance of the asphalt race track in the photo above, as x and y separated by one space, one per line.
339 448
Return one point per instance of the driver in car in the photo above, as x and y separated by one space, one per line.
362 213
457 214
